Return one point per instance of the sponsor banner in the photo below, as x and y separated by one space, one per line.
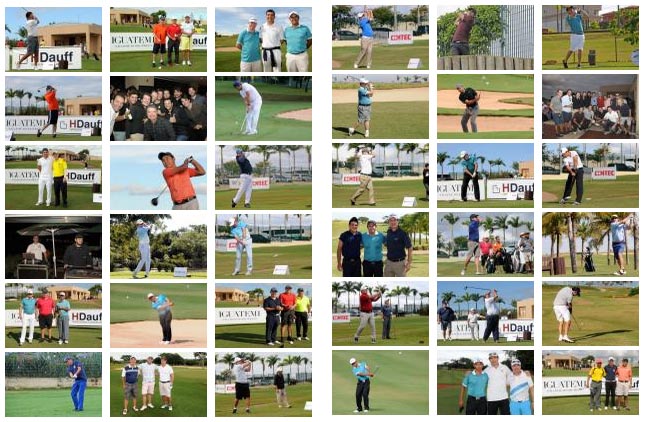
603 173
224 388
66 124
346 179
232 316
226 245
460 329
48 55
259 183
78 318
575 386
344 317
449 190
143 41
509 188
30 177
400 37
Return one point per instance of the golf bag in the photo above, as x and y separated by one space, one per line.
491 266
508 265
589 262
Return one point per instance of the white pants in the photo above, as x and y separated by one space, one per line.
145 259
246 186
252 117
28 319
250 66
277 54
248 247
298 62
45 184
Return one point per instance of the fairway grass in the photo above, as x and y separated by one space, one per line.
449 268
487 203
489 343
406 331
228 61
419 266
594 327
624 192
129 301
580 406
140 61
521 83
47 137
84 338
390 120
265 258
155 275
600 261
514 134
555 46
388 193
189 396
57 402
253 335
385 57
87 65
281 196
263 402
401 387
23 197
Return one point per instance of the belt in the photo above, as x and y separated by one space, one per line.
300 52
613 381
351 259
396 260
460 42
372 262
165 382
623 381
271 48
184 201
477 398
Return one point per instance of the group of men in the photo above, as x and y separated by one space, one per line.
243 369
158 115
286 310
171 39
52 173
399 250
77 255
446 316
145 373
618 381
44 309
261 50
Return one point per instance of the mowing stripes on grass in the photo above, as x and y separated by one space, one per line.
140 61
264 403
129 301
265 258
580 406
624 192
281 196
488 203
515 134
407 331
57 402
84 338
23 197
251 335
412 120
390 57
388 193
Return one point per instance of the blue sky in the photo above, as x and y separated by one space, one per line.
257 366
614 148
178 220
66 86
377 216
136 176
287 160
232 20
461 230
15 16
491 151
445 355
267 287
508 290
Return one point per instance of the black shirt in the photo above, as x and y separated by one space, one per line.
446 314
469 94
351 245
269 302
78 256
396 243
244 165
278 381
425 176
136 123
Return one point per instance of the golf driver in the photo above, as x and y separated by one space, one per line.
376 370
154 201
478 288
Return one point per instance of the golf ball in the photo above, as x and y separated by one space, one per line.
487 83
399 353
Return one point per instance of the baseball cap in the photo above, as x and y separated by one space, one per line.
462 154
44 150
150 295
231 221
515 362
364 288
252 20
162 154
139 221
614 217
564 149
473 310
577 290
493 354
162 18
611 358
238 151
352 361
273 289
67 358
478 360
371 222
238 359
300 289
364 81
62 294
30 292
524 234
390 217
79 236
174 18
293 12
287 287
236 83
599 360
473 216
280 369
359 14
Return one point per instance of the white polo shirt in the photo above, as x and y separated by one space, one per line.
165 372
187 28
241 376
37 249
497 380
46 168
365 161
149 372
271 35
491 306
255 96
520 387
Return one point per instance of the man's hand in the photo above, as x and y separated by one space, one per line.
407 266
339 267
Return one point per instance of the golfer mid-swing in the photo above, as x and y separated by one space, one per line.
473 249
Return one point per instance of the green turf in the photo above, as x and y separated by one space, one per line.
519 100
47 137
487 203
251 335
189 395
282 196
555 46
490 343
388 193
23 197
600 261
265 258
521 83
559 372
383 86
401 386
189 301
228 61
140 61
452 268
87 65
389 120
230 112
595 327
81 304
155 275
448 390
526 112
407 331
53 403
79 338
263 402
580 406
624 192
385 57
514 134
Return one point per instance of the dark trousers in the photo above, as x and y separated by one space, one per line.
351 267
500 406
166 324
385 329
272 322
60 191
173 45
492 327
363 392
459 48
610 391
373 268
463 188
568 186
476 406
302 321
198 134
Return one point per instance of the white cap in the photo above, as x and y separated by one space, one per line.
252 20
30 292
231 221
359 14
139 221
390 217
611 358
463 154
364 81
478 359
353 361
293 12
238 359
280 369
564 149
515 362
472 310
150 295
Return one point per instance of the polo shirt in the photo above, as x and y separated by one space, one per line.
240 374
302 304
165 373
160 301
130 374
372 246
351 244
366 29
360 368
499 376
296 38
596 374
364 98
396 242
148 372
476 384
59 166
29 305
250 42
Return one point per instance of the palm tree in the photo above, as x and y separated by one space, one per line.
221 147
552 226
337 289
292 149
475 297
452 219
349 287
337 146
272 360
584 231
571 232
308 151
515 223
447 296
11 94
441 157
499 162
304 360
414 292
410 149
228 359
381 288
29 96
467 297
488 224
423 295
280 149
396 292
491 163
252 357
481 158
453 164
20 93
399 148
265 151
501 222
406 290
424 150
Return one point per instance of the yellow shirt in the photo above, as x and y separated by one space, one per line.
597 374
59 166
302 304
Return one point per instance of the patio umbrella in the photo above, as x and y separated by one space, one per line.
55 229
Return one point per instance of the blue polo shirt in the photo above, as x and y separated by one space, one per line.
364 98
469 163
387 311
476 384
366 29
610 372
63 304
238 230
250 46
618 232
296 38
29 305
473 231
160 301
130 374
73 369
372 246
142 233
351 244
575 23
360 368
396 243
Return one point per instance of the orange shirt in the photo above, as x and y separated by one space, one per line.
287 299
624 373
180 186
52 102
496 247
159 33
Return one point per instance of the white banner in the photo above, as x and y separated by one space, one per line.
30 177
66 124
345 179
78 318
575 386
259 183
233 316
460 329
224 388
226 245
508 188
400 37
48 55
143 41
449 190
338 318
603 173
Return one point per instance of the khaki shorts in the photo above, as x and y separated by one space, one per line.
186 43
165 391
622 388
250 66
148 387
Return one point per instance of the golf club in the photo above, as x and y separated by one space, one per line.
154 201
478 288
576 321
376 370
